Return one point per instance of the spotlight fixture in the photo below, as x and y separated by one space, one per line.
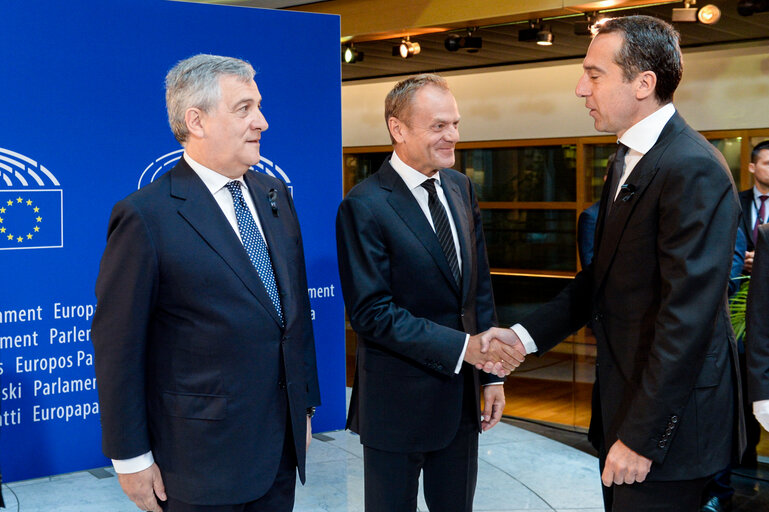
527 35
468 43
587 26
545 37
708 15
750 7
350 55
407 49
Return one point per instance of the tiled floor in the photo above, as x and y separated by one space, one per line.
518 471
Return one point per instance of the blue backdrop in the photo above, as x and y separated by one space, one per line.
83 124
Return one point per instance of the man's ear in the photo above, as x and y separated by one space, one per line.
193 118
646 84
396 126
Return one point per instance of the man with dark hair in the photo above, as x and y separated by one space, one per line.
416 283
665 405
202 335
755 208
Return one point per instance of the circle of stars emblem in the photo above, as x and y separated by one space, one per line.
19 206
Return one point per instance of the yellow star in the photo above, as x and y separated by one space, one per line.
1 220
2 210
29 236
10 237
10 202
29 202
2 230
35 209
19 239
37 228
39 219
18 199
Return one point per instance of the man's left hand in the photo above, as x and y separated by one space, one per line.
309 432
493 405
624 466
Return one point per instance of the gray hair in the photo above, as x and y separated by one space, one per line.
398 100
194 83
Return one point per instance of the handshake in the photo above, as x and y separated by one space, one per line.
498 351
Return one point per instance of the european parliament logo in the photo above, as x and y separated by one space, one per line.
31 205
162 164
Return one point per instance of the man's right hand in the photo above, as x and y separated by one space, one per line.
747 267
143 487
505 336
499 357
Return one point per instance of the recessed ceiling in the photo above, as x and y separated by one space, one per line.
501 46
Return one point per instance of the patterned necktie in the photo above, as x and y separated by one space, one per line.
255 245
760 215
442 228
615 173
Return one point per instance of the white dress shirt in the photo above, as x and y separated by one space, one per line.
216 184
639 139
413 180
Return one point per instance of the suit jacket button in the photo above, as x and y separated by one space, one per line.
662 443
282 385
674 419
597 317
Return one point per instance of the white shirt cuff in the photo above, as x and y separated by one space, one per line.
462 355
135 464
493 384
761 407
526 339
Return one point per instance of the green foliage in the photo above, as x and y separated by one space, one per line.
737 304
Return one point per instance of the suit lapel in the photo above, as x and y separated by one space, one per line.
202 212
405 205
458 213
613 225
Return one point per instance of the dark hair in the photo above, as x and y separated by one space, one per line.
757 149
649 44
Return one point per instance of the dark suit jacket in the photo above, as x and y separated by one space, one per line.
656 293
191 360
757 336
746 202
409 313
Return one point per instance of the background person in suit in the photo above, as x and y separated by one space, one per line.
757 336
205 356
751 200
416 283
665 395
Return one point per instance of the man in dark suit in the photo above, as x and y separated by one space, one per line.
204 348
416 283
757 336
665 400
755 200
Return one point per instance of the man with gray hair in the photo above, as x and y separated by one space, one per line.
203 339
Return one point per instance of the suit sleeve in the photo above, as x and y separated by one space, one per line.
757 337
364 268
308 339
698 215
125 292
486 313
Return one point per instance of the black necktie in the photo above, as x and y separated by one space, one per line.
615 173
442 227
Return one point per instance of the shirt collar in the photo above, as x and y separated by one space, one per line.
644 134
411 176
213 181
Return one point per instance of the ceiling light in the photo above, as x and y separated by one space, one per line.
469 44
709 15
407 49
545 37
526 35
685 14
350 55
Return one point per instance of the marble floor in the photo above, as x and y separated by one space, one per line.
518 471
